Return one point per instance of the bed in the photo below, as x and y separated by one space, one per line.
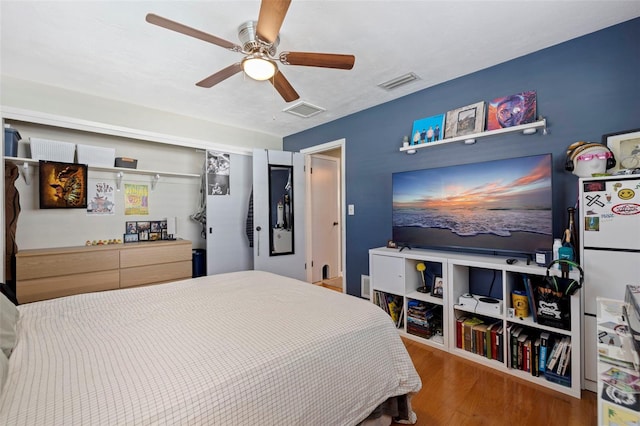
244 348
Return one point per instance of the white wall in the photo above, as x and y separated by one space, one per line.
151 136
173 196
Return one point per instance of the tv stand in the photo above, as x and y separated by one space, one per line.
395 282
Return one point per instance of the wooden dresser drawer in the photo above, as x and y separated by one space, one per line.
155 253
33 264
49 288
141 275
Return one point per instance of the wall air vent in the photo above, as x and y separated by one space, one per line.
399 81
304 109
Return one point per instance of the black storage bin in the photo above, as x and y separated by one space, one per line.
199 268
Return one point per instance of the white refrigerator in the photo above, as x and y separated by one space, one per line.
609 209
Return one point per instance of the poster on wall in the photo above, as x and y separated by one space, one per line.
427 130
218 167
101 198
512 110
136 199
62 185
465 120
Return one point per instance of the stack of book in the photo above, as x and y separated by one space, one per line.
423 319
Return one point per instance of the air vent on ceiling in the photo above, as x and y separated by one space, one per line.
399 81
304 109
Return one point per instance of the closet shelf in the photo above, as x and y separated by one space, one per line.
24 164
527 129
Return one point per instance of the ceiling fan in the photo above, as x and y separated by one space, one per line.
259 42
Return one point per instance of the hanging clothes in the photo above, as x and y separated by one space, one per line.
11 212
249 222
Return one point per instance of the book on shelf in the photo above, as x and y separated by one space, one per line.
521 360
480 332
460 331
500 343
515 333
491 339
467 326
565 359
535 361
556 353
528 286
545 342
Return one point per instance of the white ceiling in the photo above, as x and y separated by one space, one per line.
106 48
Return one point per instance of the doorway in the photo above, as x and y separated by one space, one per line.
326 214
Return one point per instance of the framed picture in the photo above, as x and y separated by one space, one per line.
131 227
512 110
465 120
63 185
155 226
427 130
130 238
625 147
437 288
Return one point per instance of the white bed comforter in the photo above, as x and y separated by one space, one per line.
247 348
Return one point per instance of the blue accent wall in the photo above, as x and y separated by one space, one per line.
585 87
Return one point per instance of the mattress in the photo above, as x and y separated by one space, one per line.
244 348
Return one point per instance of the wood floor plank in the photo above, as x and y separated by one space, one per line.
456 391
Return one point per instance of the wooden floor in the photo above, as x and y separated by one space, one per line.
331 283
459 392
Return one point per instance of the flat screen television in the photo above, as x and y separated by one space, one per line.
500 206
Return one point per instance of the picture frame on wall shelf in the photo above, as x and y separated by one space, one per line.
437 288
426 130
625 147
465 120
511 110
62 185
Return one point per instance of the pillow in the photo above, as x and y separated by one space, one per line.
8 319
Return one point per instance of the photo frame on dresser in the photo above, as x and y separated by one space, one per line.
437 288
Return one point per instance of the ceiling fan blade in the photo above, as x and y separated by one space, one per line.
272 13
192 32
221 75
325 60
283 87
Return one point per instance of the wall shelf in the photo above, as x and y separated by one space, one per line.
527 129
24 164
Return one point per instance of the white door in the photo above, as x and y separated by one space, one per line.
228 248
279 213
325 214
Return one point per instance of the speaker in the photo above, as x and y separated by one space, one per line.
574 150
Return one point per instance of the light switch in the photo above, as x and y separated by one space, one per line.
352 210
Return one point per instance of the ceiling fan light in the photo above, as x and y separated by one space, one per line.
258 68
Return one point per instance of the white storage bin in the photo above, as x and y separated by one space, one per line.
96 156
49 150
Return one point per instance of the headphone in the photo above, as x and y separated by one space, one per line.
577 147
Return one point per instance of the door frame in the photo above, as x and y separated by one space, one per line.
319 149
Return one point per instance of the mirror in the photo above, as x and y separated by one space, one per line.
281 209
